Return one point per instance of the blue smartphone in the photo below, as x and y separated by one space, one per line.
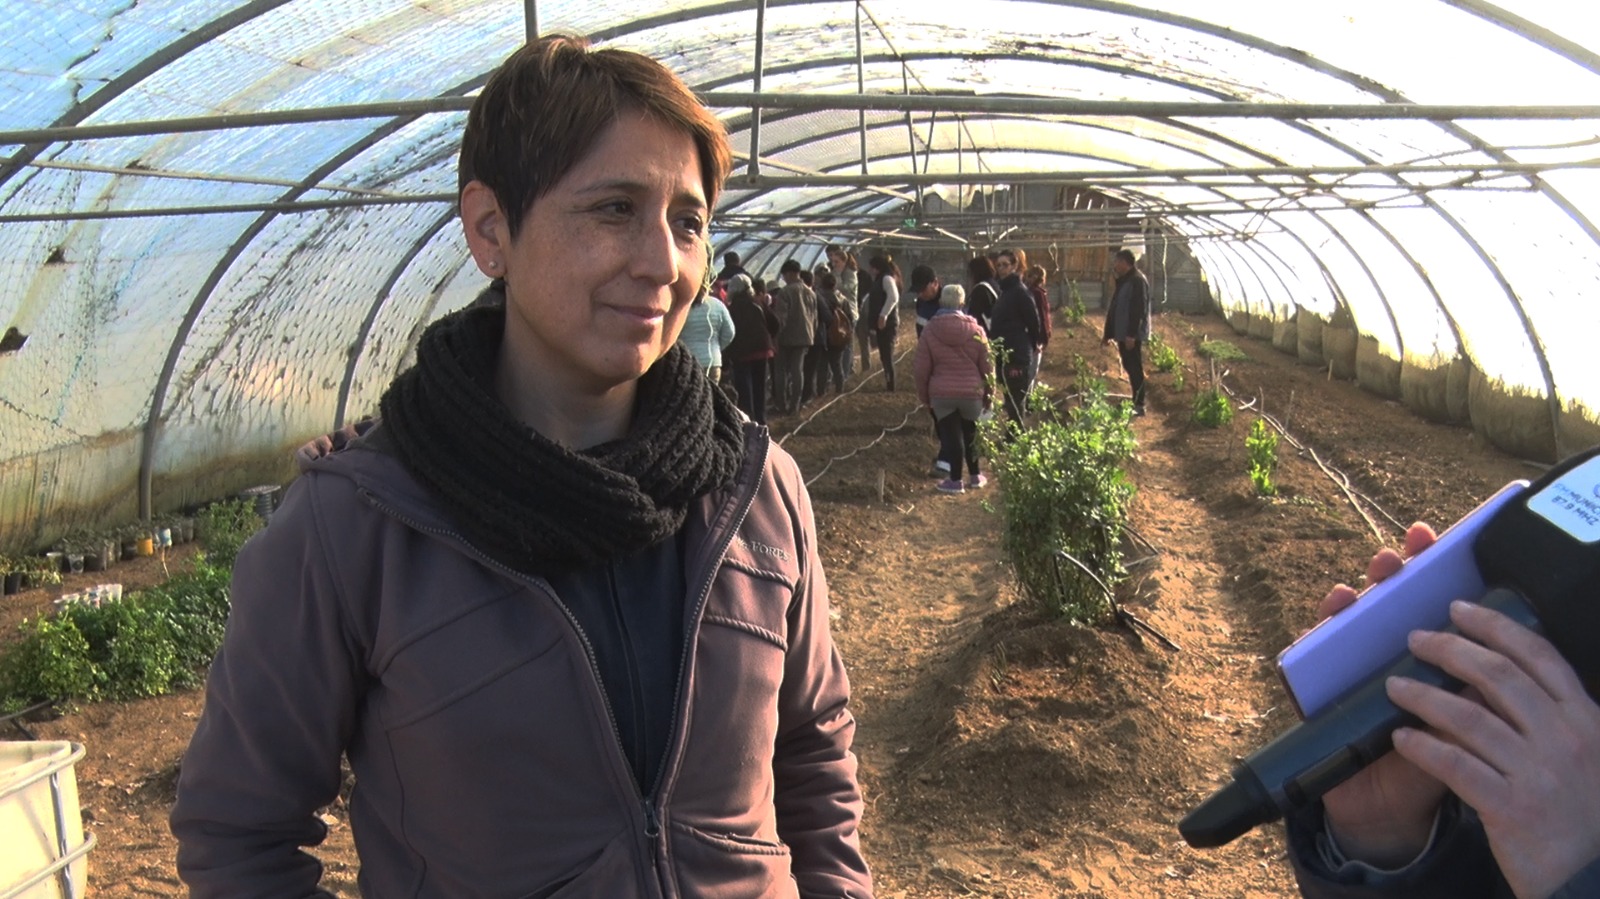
1350 647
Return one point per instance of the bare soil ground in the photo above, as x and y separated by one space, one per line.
1004 753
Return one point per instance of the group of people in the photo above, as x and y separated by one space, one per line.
562 607
792 342
1003 312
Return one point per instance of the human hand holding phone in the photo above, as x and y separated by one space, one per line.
1383 815
1521 746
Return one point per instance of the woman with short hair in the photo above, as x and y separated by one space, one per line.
562 608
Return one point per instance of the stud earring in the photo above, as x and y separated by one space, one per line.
494 263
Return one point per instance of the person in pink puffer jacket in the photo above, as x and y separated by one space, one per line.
953 370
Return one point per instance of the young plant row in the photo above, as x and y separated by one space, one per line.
92 550
1064 500
148 643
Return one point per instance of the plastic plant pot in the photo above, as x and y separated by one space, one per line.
147 546
75 563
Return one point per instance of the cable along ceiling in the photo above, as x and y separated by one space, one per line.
278 274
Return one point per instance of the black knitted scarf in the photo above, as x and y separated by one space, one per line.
531 503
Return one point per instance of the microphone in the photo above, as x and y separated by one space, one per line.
1539 557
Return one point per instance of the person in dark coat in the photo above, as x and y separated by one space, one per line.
1128 322
1015 325
984 290
731 267
755 328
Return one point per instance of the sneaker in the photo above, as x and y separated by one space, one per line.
1138 411
976 482
950 486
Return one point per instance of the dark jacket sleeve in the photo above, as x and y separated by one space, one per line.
280 706
817 799
1458 865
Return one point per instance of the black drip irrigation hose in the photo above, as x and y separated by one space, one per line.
1123 617
870 444
15 718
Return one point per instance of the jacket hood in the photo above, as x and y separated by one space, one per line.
951 328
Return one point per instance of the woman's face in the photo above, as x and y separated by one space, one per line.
607 263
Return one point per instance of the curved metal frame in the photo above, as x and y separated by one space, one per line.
209 31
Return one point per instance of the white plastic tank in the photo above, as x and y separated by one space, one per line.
46 851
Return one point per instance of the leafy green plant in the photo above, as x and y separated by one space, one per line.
150 642
223 528
1162 356
1073 312
1212 409
1262 444
1063 490
1221 350
51 661
41 571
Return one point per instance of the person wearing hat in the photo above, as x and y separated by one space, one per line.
925 288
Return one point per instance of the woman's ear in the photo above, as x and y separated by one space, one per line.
487 233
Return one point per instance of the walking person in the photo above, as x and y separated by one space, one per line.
755 330
1128 321
1015 328
842 265
983 290
1034 278
834 333
796 307
952 369
864 331
883 310
925 291
562 608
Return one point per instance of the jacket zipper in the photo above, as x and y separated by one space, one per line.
631 663
658 784
649 805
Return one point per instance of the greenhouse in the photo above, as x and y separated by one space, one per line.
227 226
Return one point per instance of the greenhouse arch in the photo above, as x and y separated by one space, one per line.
223 238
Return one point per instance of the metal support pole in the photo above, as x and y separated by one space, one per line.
530 15
911 130
861 87
754 167
1035 106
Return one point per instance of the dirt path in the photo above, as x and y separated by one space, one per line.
1003 753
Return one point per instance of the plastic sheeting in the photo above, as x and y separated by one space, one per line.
197 348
